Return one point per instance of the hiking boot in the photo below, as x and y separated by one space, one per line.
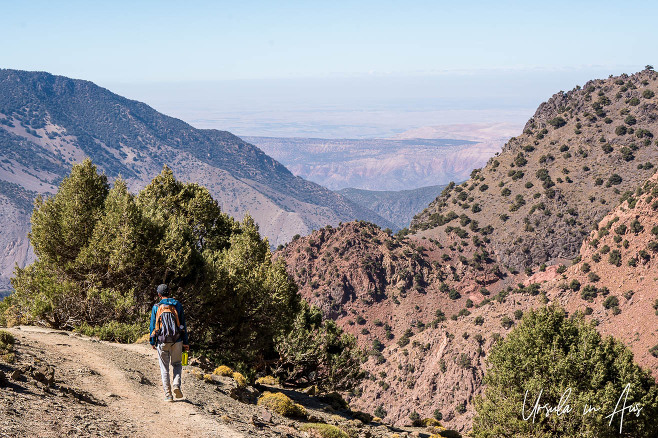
177 392
169 398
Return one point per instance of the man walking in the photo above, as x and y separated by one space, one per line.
169 338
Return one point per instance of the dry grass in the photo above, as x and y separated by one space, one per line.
223 370
282 405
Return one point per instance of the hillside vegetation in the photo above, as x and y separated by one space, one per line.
431 302
615 277
102 251
577 156
48 123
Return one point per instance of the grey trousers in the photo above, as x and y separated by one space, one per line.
170 352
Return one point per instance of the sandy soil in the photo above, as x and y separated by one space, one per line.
122 393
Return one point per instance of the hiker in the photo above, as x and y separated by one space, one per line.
169 338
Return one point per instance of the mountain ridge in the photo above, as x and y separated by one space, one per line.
397 206
576 157
48 122
429 303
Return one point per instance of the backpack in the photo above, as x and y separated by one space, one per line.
167 324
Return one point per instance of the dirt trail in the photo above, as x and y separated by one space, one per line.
127 379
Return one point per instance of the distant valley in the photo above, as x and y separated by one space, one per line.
379 164
399 206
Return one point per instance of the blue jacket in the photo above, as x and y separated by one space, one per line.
181 318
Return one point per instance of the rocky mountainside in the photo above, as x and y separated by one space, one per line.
577 156
615 277
408 300
49 122
398 207
429 304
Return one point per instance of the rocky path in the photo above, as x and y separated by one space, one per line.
121 384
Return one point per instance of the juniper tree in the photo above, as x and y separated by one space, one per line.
552 353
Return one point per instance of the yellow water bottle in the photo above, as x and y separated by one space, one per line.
184 358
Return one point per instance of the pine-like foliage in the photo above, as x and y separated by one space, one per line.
553 353
318 352
102 251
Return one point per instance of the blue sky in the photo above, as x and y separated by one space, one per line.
245 47
197 40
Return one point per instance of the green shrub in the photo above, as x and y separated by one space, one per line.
464 360
240 380
610 302
614 179
654 350
621 130
6 349
520 160
588 293
223 370
556 353
574 285
627 154
116 331
454 294
6 339
557 122
268 380
319 348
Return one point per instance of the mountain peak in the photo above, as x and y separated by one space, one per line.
576 157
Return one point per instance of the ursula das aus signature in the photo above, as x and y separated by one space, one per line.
563 407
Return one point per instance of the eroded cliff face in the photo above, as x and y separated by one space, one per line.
398 295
